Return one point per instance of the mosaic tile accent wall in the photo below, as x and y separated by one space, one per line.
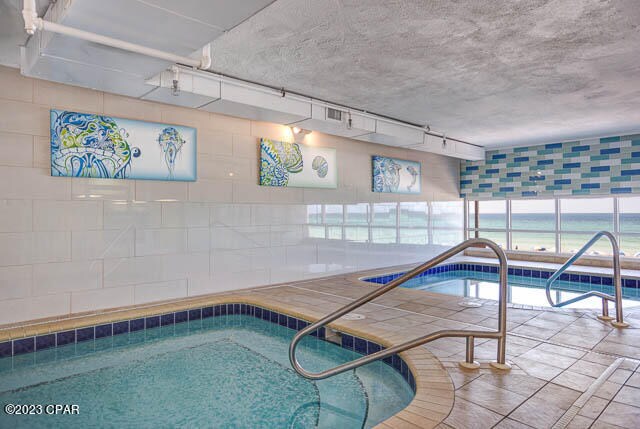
608 165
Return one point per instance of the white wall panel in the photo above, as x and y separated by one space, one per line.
70 245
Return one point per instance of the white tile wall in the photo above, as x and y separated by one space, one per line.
74 245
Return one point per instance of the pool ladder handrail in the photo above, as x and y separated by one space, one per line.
617 283
500 334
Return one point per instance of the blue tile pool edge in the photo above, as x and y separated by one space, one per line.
357 344
628 282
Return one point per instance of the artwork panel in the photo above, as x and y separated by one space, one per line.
396 176
99 146
285 164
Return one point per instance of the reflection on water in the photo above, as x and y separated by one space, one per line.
521 290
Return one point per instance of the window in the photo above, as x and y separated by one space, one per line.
356 233
560 225
630 215
471 210
492 215
410 223
314 214
533 241
586 214
414 223
333 214
630 226
414 214
447 214
528 217
384 214
383 235
538 215
357 214
447 237
499 237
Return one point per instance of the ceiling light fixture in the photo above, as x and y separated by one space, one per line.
298 130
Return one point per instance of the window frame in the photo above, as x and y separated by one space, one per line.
397 227
558 231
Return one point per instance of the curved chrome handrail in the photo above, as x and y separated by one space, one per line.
617 283
500 334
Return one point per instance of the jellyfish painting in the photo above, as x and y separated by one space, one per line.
170 142
88 145
414 176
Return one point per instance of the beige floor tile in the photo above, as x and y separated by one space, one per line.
467 415
564 351
559 396
634 380
580 422
591 369
508 423
535 331
602 425
537 369
608 390
537 413
496 399
599 358
547 358
521 384
620 376
574 380
628 395
622 415
593 407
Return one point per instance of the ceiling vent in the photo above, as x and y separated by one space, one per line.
330 120
334 114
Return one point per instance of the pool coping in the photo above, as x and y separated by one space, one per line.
492 268
433 388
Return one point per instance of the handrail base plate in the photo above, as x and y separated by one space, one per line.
619 324
501 366
605 318
469 365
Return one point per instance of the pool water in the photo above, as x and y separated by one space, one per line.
224 372
521 290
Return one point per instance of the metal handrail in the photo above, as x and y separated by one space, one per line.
617 283
500 334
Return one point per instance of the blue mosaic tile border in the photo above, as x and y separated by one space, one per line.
47 341
513 271
589 167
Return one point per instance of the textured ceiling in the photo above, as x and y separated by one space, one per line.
493 72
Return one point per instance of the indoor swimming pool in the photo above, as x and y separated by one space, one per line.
525 286
204 367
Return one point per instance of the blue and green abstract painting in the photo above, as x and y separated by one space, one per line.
397 176
98 146
285 164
